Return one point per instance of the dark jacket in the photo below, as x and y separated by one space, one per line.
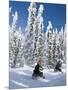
58 66
38 69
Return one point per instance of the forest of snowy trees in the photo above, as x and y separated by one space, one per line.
49 44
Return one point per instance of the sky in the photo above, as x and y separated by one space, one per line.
56 13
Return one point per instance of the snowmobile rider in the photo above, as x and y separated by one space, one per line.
38 69
58 66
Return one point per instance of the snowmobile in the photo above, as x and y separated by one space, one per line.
58 67
37 72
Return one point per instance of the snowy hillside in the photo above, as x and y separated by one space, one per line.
21 78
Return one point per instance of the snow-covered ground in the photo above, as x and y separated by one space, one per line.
21 78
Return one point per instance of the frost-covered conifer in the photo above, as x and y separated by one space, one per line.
15 44
29 43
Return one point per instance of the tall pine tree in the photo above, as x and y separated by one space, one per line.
15 44
49 44
40 41
29 43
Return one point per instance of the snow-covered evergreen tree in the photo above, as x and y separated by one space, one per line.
60 44
35 27
49 44
40 40
29 44
15 44
54 47
39 35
